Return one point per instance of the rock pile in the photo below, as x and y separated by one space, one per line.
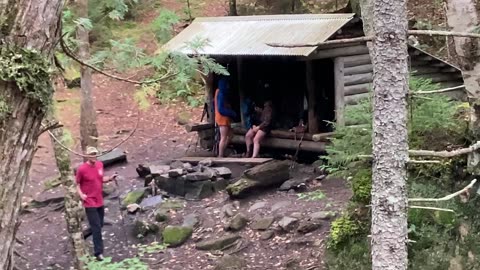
183 179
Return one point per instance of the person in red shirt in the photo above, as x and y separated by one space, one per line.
90 181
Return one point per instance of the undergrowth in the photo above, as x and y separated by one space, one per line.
435 123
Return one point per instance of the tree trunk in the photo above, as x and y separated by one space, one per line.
462 16
74 212
390 141
233 8
88 116
30 29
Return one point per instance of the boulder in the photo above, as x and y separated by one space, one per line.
151 202
220 184
176 165
159 169
188 167
198 190
134 196
237 223
229 262
161 215
256 206
269 174
200 176
295 184
133 208
307 226
288 223
175 236
142 228
142 170
175 172
262 224
218 244
114 157
192 220
266 235
206 162
322 215
173 185
223 172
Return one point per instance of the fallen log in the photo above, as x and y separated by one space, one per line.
270 174
269 142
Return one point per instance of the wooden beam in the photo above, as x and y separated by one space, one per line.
311 98
198 127
241 90
357 60
358 69
358 79
336 52
282 134
338 67
355 99
216 160
276 143
357 89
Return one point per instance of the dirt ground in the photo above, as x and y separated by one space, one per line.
44 242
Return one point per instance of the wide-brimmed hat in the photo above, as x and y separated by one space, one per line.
91 150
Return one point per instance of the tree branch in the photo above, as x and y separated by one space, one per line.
445 154
70 54
446 198
50 127
439 90
430 208
443 33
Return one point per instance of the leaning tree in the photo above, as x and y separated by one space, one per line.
29 31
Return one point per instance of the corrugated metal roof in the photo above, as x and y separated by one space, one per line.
248 35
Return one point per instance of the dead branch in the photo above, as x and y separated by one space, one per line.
443 33
446 198
439 90
445 154
50 127
430 208
424 161
70 54
325 43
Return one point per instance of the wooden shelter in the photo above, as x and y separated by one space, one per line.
328 76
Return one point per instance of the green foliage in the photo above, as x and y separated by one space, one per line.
355 255
361 184
30 71
343 229
151 248
312 195
123 54
162 26
107 264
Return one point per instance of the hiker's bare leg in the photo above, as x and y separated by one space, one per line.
224 132
249 141
256 142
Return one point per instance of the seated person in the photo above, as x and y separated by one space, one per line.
256 134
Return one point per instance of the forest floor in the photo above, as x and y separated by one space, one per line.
43 235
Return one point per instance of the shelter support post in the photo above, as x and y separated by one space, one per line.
241 88
339 91
311 99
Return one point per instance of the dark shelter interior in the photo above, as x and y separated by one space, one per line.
284 81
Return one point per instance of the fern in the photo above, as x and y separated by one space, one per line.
162 26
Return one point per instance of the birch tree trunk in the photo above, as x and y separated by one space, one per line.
74 212
233 8
88 116
25 26
390 140
462 16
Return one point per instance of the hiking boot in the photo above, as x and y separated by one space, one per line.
100 257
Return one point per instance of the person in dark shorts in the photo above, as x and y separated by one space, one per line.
257 133
90 179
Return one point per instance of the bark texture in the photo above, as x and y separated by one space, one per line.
462 16
88 116
390 140
74 212
32 25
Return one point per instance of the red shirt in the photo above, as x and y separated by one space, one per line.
90 179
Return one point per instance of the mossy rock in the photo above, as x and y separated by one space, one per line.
161 215
172 205
175 236
142 228
133 197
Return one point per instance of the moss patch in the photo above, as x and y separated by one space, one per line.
133 197
174 236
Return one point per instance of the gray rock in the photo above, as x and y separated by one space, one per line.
151 202
288 223
262 223
223 171
296 215
267 235
218 244
175 172
198 190
307 226
133 208
206 162
161 215
142 228
108 190
159 169
176 165
187 166
220 184
293 184
237 223
229 210
280 205
191 220
199 176
322 215
256 206
229 262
